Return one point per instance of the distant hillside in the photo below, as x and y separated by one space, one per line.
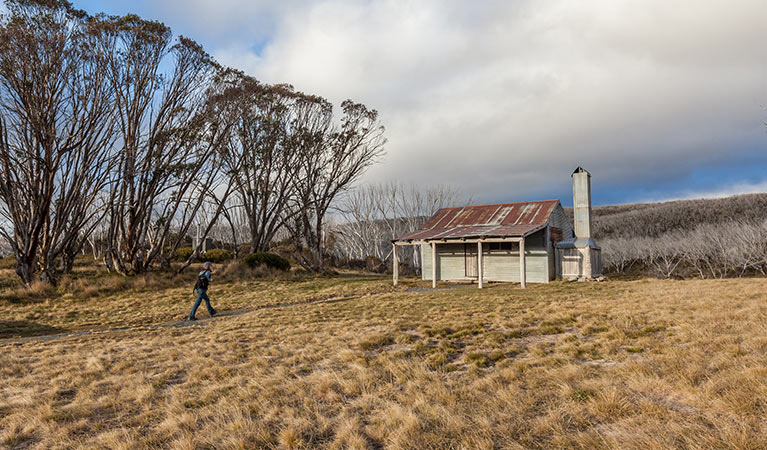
655 219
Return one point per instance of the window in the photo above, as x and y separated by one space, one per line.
537 239
503 246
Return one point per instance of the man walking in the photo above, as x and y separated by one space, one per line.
201 287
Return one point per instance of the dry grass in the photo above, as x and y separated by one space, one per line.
91 299
350 362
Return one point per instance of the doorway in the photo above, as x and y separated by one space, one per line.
470 260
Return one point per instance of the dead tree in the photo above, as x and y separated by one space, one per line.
417 204
55 132
373 215
664 254
619 253
359 235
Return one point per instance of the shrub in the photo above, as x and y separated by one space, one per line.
243 249
183 253
218 255
359 264
374 264
267 259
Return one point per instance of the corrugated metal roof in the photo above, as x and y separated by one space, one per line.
500 220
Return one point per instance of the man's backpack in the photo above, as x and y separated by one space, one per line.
202 282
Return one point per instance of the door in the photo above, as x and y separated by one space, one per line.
470 259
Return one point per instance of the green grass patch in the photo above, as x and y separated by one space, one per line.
582 395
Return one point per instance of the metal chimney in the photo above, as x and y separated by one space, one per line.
580 257
582 203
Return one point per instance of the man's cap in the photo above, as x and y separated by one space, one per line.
207 264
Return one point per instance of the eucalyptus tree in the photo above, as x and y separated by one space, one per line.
237 221
262 154
332 158
55 132
168 140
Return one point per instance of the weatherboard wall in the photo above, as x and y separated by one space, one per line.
498 265
559 220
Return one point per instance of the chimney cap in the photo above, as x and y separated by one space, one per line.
580 169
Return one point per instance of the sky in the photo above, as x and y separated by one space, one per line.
502 99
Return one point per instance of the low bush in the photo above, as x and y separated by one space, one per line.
183 253
243 249
267 259
374 264
218 255
358 264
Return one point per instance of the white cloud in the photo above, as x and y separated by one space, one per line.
504 98
725 190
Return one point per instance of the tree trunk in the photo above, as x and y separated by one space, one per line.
317 264
48 275
25 269
108 262
234 234
254 246
67 262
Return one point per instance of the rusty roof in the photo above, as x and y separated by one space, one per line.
484 221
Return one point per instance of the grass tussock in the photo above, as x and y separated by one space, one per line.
350 362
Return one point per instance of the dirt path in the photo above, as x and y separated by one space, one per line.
173 324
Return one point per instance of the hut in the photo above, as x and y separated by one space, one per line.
507 242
